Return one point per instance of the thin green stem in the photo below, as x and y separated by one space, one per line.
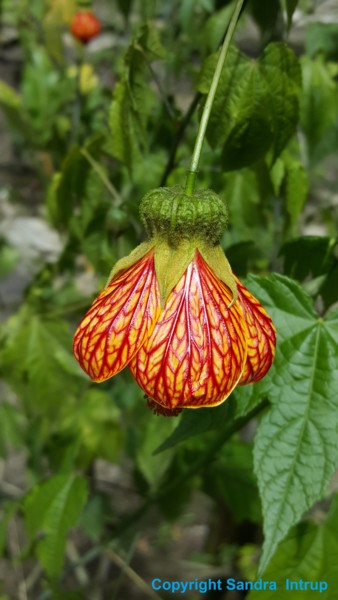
100 172
190 185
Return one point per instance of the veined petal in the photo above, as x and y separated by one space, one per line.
119 321
197 351
261 337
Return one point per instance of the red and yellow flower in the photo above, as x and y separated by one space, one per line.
172 311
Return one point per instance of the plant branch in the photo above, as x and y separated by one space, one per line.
190 185
135 577
100 172
179 135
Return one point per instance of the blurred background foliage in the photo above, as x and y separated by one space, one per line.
99 496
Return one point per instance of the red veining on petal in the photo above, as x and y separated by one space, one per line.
119 321
261 335
197 350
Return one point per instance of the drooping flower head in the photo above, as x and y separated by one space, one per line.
173 311
85 25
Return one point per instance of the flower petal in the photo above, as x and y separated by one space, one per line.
119 321
261 337
197 351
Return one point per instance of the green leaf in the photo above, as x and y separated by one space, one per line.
11 427
308 553
265 14
239 119
94 422
95 514
51 510
148 8
37 361
67 187
316 257
190 12
125 7
247 397
296 188
329 288
307 255
280 68
319 107
45 93
291 6
303 420
231 481
8 510
11 105
322 38
244 256
154 431
195 422
9 258
149 42
132 99
247 216
216 27
256 104
124 125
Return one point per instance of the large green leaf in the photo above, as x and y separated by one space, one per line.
296 449
51 510
308 553
256 104
239 120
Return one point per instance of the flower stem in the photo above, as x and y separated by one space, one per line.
190 185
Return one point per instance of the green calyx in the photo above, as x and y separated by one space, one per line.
178 226
171 263
173 215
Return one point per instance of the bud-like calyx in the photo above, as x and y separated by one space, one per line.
173 215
